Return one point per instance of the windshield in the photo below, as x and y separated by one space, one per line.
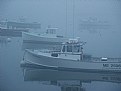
71 48
76 48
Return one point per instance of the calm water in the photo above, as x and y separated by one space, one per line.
98 22
15 78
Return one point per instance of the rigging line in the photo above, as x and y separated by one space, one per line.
66 20
73 16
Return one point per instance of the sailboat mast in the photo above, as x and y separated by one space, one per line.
66 20
73 16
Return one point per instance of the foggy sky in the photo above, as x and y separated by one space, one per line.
53 12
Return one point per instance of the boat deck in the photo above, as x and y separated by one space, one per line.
87 57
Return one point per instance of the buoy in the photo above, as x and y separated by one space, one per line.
8 39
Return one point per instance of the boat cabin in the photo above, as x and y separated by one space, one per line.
71 48
51 30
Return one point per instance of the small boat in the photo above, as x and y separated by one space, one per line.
12 32
49 38
15 29
72 58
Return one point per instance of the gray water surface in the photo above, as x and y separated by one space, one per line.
12 77
98 22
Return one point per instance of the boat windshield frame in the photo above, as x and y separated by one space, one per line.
71 48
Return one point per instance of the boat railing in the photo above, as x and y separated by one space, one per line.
98 59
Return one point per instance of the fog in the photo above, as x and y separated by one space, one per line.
97 22
68 15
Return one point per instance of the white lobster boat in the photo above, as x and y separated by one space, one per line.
49 38
72 58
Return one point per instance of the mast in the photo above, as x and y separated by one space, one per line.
66 20
73 16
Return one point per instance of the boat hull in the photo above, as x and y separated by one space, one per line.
34 38
34 41
70 65
12 32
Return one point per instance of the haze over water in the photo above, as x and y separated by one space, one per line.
98 22
103 27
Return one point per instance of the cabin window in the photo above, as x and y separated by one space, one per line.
47 31
76 48
51 31
63 50
69 48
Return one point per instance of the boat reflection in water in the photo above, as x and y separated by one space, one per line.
66 80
